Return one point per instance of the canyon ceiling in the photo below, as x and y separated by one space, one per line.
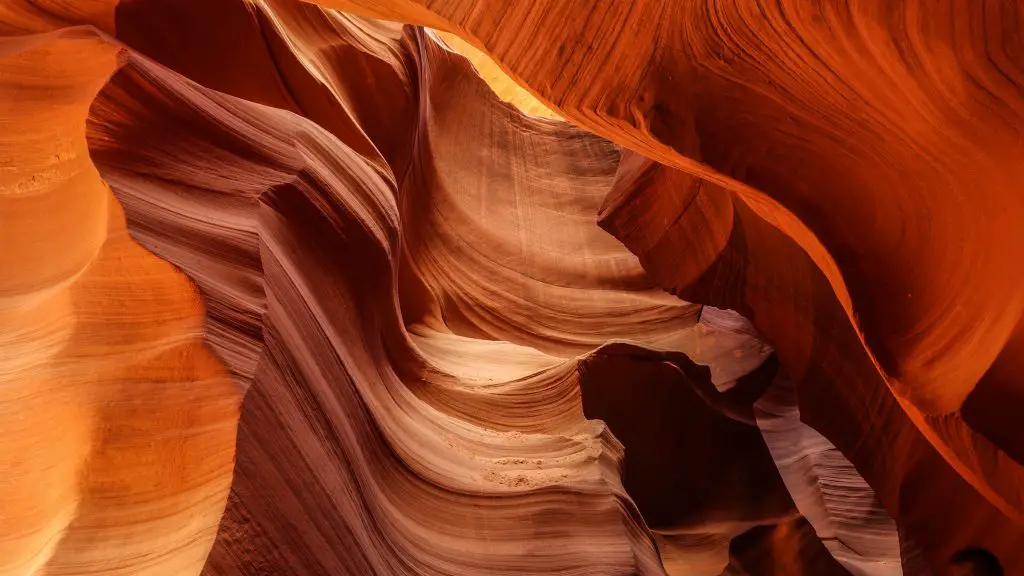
474 287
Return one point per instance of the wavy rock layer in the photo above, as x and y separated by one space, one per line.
507 430
118 423
448 366
884 334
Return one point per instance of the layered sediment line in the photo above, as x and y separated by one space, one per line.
628 288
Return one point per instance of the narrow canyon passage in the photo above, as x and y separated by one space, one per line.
497 287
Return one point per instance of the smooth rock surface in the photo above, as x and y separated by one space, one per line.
571 287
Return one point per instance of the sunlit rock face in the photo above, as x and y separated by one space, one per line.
494 287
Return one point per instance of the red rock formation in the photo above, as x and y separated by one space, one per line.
778 104
449 366
118 425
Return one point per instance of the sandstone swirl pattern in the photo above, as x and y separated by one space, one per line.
437 329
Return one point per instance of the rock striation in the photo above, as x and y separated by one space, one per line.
496 287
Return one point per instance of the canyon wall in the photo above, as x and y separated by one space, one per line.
499 287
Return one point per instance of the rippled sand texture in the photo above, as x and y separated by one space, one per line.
470 337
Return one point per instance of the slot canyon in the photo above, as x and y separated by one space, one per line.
511 287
